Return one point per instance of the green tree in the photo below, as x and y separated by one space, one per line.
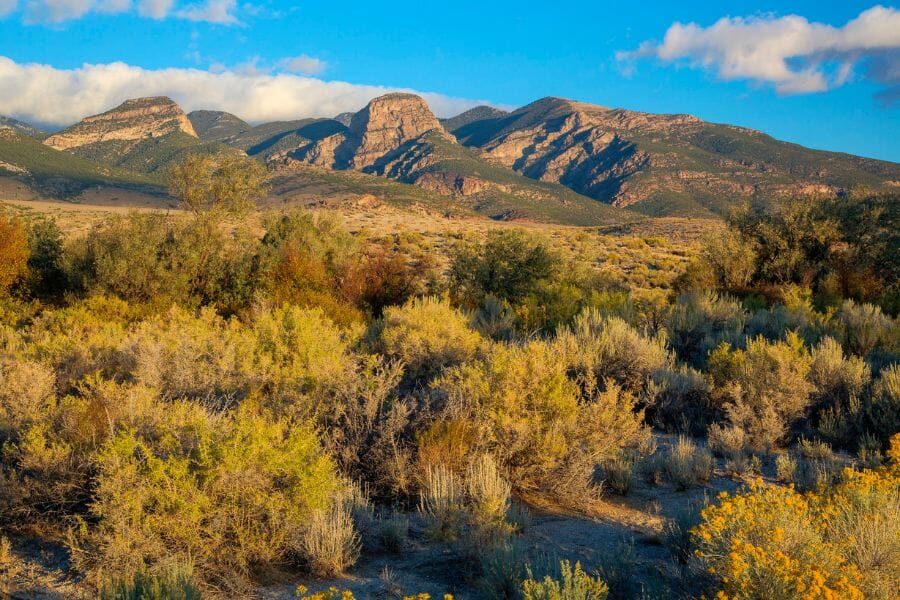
222 183
509 265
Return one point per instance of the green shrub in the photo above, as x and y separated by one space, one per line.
227 492
46 269
171 584
727 442
509 265
883 407
702 321
574 584
618 474
329 542
861 327
602 348
428 335
681 400
836 378
687 465
546 432
763 389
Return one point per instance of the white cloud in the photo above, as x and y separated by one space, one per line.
222 12
56 11
7 6
791 53
47 95
212 11
307 65
155 9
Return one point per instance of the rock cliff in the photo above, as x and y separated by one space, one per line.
383 126
132 121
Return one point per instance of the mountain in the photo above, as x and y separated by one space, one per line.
344 118
661 164
57 173
473 115
21 127
267 139
144 135
397 136
216 125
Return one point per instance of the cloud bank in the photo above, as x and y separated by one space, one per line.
222 12
793 54
49 96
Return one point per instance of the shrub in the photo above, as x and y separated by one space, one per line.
574 584
227 492
765 542
883 407
428 335
682 400
13 252
836 379
487 491
170 584
598 348
546 432
392 531
862 522
308 260
618 474
677 531
181 354
297 349
46 269
700 322
764 389
328 542
727 442
861 327
785 467
509 265
443 501
725 262
687 465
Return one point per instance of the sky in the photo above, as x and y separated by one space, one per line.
824 74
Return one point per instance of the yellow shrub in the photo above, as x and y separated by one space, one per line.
771 542
428 335
227 492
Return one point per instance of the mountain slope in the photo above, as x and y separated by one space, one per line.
267 139
216 125
143 135
473 115
661 164
58 173
398 137
22 128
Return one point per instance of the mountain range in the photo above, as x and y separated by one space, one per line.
553 160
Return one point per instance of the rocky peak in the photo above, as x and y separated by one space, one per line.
133 120
387 123
384 125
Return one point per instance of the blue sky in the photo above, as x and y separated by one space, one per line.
811 79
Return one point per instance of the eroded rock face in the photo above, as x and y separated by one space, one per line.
133 120
582 146
383 126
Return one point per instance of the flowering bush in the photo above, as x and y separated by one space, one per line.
770 541
767 542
